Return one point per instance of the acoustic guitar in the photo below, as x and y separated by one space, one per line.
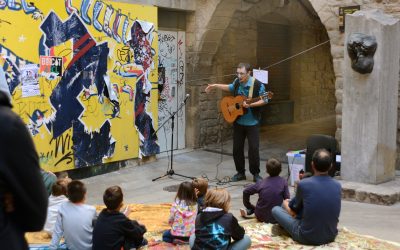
232 107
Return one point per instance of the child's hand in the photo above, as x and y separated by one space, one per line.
196 192
127 210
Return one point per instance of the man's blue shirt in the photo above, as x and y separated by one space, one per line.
248 119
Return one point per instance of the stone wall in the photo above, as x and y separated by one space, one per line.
208 25
312 73
312 76
328 12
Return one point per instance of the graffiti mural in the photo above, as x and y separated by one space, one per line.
171 80
101 104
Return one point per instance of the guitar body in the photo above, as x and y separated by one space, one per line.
231 107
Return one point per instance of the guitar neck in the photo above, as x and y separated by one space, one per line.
255 99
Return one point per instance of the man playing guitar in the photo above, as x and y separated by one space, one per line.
246 125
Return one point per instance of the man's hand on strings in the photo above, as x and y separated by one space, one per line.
245 105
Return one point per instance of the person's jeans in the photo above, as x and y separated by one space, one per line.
290 224
244 243
240 133
168 237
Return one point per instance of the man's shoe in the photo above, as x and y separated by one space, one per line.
238 177
257 178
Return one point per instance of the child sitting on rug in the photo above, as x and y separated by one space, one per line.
57 197
74 220
271 192
182 215
215 226
113 229
200 186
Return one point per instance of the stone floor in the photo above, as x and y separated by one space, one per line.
136 181
277 140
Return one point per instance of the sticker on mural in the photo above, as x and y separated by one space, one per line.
51 66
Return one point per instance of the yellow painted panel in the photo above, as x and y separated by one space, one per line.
22 41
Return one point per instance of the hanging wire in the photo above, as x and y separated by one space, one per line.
267 67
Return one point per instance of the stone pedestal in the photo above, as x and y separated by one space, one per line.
370 102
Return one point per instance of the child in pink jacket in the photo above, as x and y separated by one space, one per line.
182 215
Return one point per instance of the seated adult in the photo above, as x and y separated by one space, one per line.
319 199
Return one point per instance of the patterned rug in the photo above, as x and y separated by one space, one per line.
269 236
263 236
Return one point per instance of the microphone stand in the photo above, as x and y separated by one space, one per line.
171 171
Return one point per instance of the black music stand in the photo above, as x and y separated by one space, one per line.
171 171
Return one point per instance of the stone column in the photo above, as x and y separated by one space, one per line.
370 99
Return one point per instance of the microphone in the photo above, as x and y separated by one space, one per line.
186 98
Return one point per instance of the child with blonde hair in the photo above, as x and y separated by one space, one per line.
57 197
182 215
215 226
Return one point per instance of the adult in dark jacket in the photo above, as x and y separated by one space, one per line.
23 198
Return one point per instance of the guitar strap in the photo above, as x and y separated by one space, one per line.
251 88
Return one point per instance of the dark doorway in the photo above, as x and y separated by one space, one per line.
273 45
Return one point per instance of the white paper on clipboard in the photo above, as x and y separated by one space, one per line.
261 75
294 172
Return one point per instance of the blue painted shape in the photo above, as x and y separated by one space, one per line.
28 9
89 65
90 148
98 6
84 11
12 5
144 123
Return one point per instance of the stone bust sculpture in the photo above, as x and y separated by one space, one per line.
361 49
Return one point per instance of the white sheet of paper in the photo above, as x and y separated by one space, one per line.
30 90
261 75
294 172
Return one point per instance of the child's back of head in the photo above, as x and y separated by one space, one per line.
59 188
186 193
113 198
219 198
76 191
201 185
274 167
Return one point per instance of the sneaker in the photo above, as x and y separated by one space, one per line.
257 178
238 177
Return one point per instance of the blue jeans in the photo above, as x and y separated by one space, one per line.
290 224
244 243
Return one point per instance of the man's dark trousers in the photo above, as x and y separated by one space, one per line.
240 133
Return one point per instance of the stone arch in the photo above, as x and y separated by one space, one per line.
220 15
211 41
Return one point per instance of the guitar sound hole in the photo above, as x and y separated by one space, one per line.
237 106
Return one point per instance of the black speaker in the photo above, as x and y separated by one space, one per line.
317 141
